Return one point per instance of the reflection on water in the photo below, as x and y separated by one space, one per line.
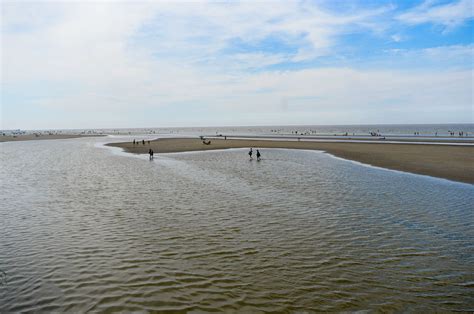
84 228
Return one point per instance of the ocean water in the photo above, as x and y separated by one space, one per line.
89 228
315 130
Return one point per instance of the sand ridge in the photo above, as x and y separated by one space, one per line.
443 161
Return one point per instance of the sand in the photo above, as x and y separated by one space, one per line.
32 137
442 161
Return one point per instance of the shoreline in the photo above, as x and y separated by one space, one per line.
441 161
361 139
33 137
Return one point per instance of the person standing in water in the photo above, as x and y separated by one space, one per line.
250 153
258 155
151 153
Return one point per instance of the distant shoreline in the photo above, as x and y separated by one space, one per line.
442 161
33 137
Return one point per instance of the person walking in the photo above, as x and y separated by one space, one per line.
151 153
258 155
250 153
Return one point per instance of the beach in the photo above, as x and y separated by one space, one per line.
33 137
442 161
237 157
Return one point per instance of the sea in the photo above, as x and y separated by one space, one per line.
86 227
446 130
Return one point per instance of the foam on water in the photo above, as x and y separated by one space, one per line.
87 228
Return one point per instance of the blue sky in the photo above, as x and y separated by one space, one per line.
205 63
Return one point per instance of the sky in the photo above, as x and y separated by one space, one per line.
119 64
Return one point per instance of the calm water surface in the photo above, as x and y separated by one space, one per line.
384 129
88 228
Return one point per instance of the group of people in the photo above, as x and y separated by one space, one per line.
137 142
461 133
251 153
150 152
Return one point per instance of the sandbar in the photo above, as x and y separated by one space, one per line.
443 161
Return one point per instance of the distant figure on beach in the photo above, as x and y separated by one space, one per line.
133 141
258 155
250 153
151 153
143 141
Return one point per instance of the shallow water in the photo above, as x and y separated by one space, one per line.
88 228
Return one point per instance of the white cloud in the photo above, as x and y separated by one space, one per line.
116 59
109 39
453 56
330 95
396 38
449 15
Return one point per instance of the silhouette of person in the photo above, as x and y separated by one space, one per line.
151 153
250 153
258 155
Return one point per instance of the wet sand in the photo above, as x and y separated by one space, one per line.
443 161
32 137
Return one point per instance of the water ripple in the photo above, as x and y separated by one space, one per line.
212 232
